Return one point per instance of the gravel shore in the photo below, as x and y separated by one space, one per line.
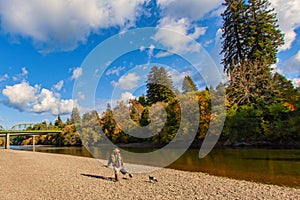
33 175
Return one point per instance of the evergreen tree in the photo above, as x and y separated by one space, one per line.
68 122
251 40
108 123
264 36
159 86
59 123
145 118
188 85
75 116
142 100
234 31
250 34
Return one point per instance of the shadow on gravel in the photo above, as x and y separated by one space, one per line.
99 177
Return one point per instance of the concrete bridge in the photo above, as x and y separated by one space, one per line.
23 130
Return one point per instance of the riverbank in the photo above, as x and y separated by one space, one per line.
221 144
33 175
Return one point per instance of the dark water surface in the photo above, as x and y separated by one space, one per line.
271 166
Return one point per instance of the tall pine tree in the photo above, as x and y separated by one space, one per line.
188 85
234 34
264 36
159 86
251 38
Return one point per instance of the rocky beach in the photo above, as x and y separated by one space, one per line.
33 175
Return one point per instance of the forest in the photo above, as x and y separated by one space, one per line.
262 105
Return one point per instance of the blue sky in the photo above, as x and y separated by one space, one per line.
43 46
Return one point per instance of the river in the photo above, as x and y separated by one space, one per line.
271 166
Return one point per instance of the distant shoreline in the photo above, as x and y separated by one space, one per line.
221 145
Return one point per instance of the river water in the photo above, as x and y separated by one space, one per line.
271 166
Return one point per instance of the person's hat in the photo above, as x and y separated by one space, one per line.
116 150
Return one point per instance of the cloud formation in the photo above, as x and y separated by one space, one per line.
192 9
126 96
296 82
20 95
180 16
288 18
77 72
22 76
127 82
25 97
61 25
115 70
291 67
58 86
4 77
184 32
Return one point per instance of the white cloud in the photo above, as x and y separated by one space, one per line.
142 48
4 77
61 25
192 9
80 95
20 95
127 96
184 34
150 51
292 66
48 101
58 86
127 82
22 76
162 54
296 82
115 70
288 14
178 77
77 72
180 16
25 97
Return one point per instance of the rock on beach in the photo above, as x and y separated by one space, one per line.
34 175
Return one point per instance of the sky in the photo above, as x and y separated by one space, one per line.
46 47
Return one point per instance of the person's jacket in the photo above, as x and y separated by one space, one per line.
116 160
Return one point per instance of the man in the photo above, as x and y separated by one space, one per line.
117 162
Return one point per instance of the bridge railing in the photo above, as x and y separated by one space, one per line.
22 126
22 130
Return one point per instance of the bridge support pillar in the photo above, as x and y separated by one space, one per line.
33 143
7 141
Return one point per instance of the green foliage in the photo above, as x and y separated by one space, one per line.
188 85
90 129
263 35
75 116
269 115
234 46
250 34
59 123
159 86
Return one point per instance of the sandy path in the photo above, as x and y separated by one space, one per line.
33 175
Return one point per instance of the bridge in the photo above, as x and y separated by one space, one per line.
23 130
